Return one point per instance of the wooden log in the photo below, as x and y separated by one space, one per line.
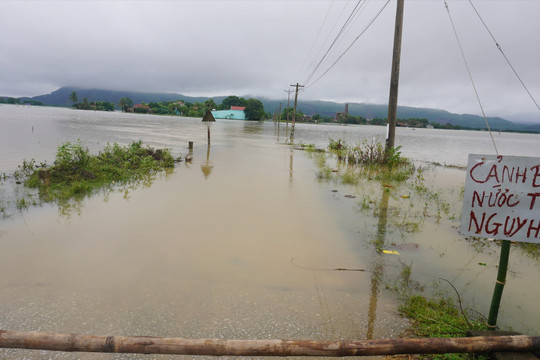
220 347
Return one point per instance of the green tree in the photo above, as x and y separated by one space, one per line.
125 103
160 108
232 101
254 110
141 108
73 97
104 106
350 119
184 110
84 105
209 104
378 121
415 122
290 111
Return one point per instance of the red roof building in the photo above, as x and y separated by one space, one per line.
238 108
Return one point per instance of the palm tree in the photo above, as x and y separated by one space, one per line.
85 105
73 97
125 103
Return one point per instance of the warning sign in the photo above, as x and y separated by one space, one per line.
502 198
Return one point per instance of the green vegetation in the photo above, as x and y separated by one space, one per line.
19 101
76 173
254 109
316 111
440 318
125 103
93 105
73 97
370 158
360 120
395 197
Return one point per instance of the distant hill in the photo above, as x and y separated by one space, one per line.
370 111
60 97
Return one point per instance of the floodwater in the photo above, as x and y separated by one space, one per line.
241 242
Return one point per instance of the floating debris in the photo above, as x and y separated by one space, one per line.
407 246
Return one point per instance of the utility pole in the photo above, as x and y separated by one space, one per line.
279 117
294 111
288 107
394 80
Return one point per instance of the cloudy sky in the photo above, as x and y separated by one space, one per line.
259 48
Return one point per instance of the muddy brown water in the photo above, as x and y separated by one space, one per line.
238 244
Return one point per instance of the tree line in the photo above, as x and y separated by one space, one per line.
287 113
18 101
254 109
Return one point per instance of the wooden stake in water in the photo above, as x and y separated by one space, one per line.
499 285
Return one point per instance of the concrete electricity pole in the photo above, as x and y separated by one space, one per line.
394 81
294 111
279 117
288 106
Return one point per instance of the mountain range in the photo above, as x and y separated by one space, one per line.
60 97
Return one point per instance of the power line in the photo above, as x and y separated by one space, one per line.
470 76
351 45
504 55
318 33
328 36
347 22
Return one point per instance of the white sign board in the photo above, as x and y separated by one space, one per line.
502 198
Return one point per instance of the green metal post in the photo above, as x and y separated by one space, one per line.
499 285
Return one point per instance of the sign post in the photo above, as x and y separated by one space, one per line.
500 203
208 117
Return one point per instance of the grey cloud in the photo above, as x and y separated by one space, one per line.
261 47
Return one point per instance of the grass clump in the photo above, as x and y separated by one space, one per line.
308 147
439 318
372 156
78 173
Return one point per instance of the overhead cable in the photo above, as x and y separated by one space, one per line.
504 55
318 34
350 46
470 76
347 22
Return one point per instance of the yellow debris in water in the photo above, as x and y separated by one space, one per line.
391 252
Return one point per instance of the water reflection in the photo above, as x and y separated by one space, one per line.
207 167
291 156
377 270
192 258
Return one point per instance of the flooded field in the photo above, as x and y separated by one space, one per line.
241 242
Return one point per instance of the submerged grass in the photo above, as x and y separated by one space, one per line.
439 318
77 173
370 159
413 200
